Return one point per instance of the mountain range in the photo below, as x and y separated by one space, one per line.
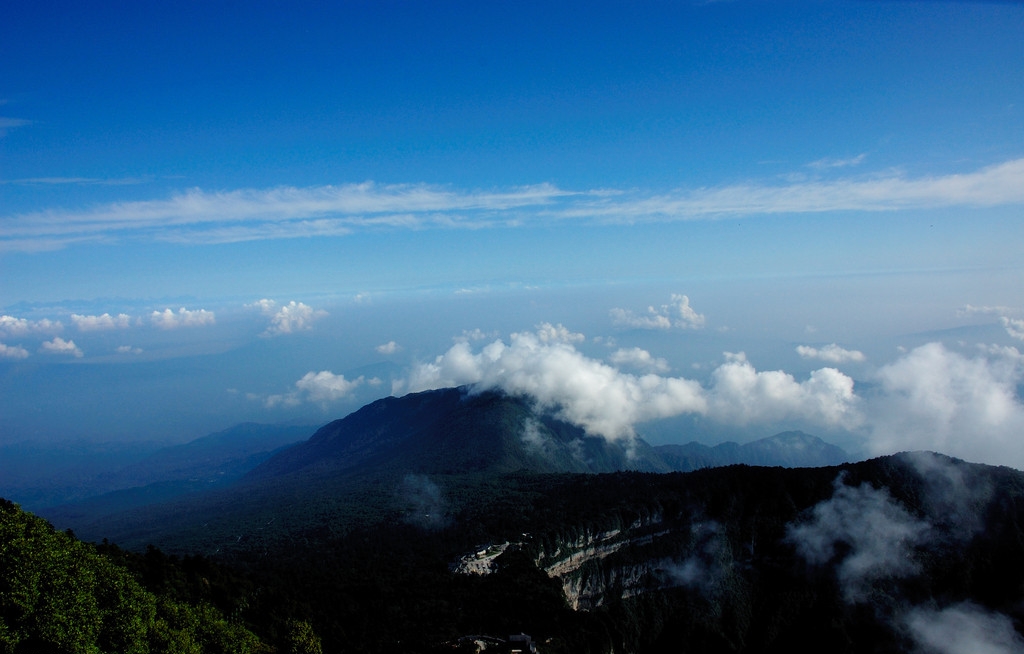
443 432
446 520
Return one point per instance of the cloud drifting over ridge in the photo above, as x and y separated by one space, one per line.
610 403
203 217
964 628
935 399
878 535
930 398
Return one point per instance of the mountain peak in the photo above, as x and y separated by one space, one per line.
455 430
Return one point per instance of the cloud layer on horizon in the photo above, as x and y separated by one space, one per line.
546 366
930 398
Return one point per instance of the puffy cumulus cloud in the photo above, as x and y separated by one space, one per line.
638 358
607 402
388 348
474 335
964 628
830 354
168 319
677 313
741 395
323 387
11 326
586 392
932 398
59 346
873 535
288 318
548 333
12 352
101 322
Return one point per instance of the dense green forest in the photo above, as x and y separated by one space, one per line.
852 558
62 596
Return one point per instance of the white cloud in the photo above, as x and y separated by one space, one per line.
875 535
12 352
11 123
964 628
996 185
59 346
583 391
289 318
101 322
830 354
639 359
1013 327
548 333
609 403
388 348
475 335
829 162
741 395
678 313
11 326
196 216
322 387
934 399
128 349
971 310
168 319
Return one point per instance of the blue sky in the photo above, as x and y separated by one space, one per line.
738 216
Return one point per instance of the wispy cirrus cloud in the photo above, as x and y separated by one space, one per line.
76 181
11 123
996 185
198 216
829 162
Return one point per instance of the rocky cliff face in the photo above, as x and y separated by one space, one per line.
595 566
